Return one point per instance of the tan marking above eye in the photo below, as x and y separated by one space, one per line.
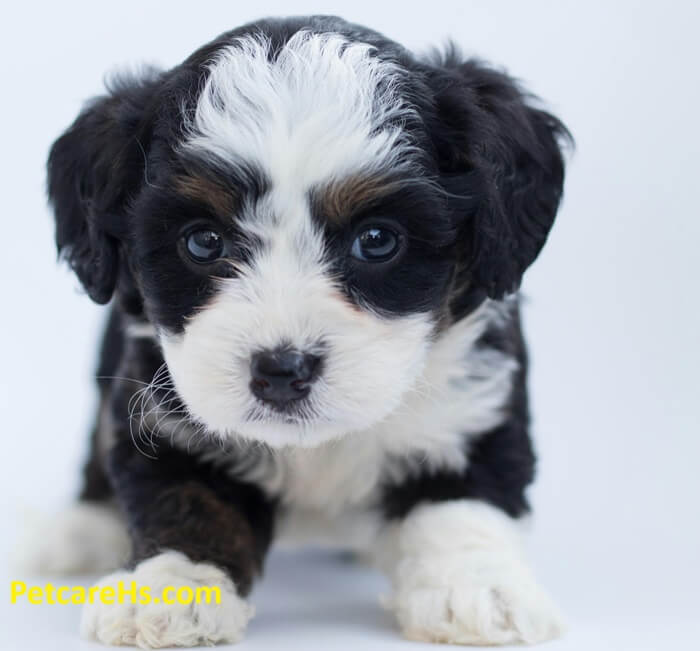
221 199
338 200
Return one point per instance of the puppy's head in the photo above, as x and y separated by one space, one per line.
299 209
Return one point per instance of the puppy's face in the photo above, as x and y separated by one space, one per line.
315 255
306 222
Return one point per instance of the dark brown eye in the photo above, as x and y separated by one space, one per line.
204 245
375 245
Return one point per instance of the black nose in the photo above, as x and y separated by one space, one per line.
280 376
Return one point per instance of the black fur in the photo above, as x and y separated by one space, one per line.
93 169
174 501
504 156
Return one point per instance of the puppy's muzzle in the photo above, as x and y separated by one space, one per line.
282 376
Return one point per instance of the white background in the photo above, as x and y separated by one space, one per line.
612 318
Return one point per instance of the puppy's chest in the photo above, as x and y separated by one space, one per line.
331 494
331 477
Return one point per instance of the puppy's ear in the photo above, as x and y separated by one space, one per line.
502 160
94 168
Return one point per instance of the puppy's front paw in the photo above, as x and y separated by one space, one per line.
460 577
158 624
472 598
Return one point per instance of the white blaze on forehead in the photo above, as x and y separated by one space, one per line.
320 108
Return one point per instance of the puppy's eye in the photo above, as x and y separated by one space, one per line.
375 245
204 245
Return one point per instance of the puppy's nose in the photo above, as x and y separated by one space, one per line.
280 376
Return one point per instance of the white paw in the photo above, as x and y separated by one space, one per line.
473 598
85 538
157 625
459 577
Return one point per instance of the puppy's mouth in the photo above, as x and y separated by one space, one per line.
292 412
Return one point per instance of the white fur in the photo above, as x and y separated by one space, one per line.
139 330
321 108
85 538
355 529
459 577
157 625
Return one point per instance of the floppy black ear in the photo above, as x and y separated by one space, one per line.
93 170
502 157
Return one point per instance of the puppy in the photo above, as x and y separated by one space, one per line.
312 241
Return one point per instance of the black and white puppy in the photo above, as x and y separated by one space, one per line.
313 242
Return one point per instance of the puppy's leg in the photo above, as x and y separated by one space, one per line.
459 577
190 526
